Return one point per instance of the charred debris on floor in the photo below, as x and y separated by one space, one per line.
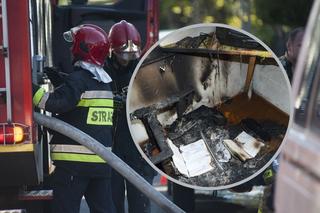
210 125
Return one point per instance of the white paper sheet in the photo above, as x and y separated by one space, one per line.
244 146
237 149
178 159
193 159
251 145
244 137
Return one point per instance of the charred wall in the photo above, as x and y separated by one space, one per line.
212 80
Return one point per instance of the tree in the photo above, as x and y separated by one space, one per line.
269 20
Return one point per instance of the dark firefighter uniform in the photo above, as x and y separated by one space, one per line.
124 147
287 66
87 104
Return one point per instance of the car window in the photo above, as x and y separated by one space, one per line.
311 66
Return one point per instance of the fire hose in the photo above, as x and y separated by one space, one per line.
114 161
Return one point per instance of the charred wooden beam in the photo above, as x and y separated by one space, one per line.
148 116
236 39
242 56
250 71
258 53
155 131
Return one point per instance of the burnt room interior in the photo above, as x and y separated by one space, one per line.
209 109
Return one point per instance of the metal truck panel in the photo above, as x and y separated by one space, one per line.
20 61
19 165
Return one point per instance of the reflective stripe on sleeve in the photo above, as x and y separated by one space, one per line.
96 94
78 153
96 102
38 96
87 158
71 148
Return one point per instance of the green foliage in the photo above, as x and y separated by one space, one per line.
263 18
179 13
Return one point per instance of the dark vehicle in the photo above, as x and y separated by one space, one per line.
298 185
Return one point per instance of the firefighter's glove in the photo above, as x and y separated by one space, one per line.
37 93
54 75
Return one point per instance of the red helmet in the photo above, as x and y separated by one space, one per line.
125 40
90 43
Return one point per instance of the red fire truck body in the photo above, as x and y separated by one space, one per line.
30 38
18 142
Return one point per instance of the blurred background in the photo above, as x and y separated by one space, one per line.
269 20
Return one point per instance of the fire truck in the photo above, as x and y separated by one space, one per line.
30 39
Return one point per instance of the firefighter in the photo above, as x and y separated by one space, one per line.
125 50
293 48
85 101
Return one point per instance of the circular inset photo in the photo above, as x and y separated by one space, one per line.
209 106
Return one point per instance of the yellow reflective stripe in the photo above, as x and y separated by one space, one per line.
37 96
96 102
100 116
87 158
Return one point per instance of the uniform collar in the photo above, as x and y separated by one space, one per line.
99 73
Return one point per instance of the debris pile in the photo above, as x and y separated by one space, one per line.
236 150
212 146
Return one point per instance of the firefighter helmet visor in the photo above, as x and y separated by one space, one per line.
128 56
129 51
68 36
130 47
